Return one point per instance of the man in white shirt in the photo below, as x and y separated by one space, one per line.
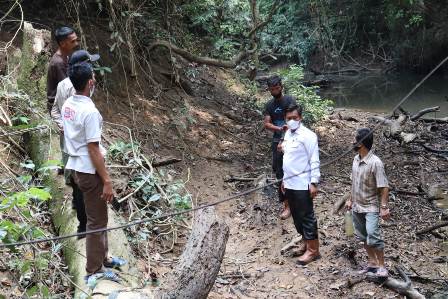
82 125
65 90
301 176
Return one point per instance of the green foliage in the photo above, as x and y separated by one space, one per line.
21 199
20 120
121 151
314 107
225 22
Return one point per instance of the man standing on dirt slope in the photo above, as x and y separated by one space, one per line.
65 90
82 124
368 181
67 41
301 167
274 120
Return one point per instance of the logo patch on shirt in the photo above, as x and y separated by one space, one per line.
69 113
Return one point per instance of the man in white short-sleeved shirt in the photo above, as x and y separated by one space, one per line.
65 90
82 125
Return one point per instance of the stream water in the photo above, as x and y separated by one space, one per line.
382 93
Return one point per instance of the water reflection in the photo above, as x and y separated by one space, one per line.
382 93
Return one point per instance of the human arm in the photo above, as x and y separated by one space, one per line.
92 127
384 207
100 166
270 126
55 112
313 149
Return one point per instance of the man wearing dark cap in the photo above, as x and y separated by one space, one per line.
65 90
82 123
274 120
67 41
369 201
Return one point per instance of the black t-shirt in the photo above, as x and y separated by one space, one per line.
276 110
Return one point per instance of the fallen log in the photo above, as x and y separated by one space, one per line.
402 287
422 112
431 228
442 120
434 150
200 262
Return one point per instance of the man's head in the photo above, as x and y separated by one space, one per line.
82 56
363 139
275 86
82 77
67 39
293 116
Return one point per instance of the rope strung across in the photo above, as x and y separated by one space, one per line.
22 131
235 196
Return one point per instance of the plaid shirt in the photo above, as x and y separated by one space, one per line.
367 176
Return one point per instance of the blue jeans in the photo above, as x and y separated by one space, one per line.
367 229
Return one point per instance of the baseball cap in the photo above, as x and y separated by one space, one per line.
82 56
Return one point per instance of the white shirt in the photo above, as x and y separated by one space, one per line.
301 154
82 125
64 90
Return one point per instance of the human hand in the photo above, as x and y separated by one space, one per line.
282 187
285 128
384 213
313 190
108 192
348 204
280 147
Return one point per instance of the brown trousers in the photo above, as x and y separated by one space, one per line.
96 211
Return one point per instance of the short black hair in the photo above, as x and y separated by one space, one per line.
62 33
294 107
365 136
274 81
80 74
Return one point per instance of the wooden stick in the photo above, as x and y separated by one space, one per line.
431 228
339 204
166 161
14 142
424 111
6 120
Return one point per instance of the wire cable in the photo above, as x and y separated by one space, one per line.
177 213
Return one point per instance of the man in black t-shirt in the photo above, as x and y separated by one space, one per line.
274 120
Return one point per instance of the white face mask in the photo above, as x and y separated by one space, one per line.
293 124
92 90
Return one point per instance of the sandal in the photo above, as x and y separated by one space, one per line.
114 262
368 269
92 280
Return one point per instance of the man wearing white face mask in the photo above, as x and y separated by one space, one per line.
301 176
82 124
65 90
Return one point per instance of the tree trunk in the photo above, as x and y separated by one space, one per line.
199 264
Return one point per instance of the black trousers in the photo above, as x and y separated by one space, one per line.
301 205
277 168
78 200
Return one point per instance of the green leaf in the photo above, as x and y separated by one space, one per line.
40 194
25 267
33 291
3 233
45 291
28 164
37 233
41 263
